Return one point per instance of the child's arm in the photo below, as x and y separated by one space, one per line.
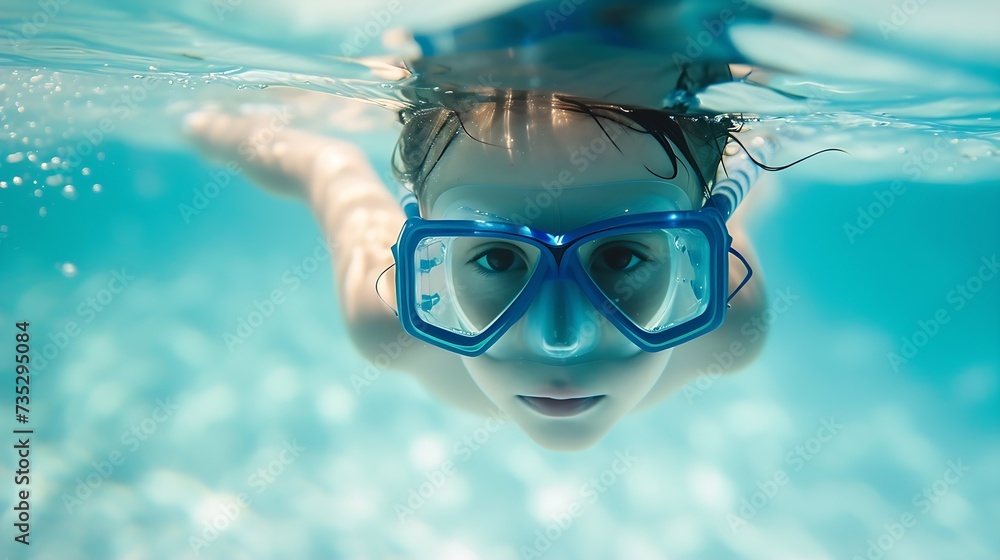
360 220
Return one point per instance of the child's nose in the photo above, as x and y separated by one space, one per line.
561 321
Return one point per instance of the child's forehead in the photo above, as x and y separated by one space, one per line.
557 159
557 210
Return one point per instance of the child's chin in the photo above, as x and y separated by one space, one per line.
563 435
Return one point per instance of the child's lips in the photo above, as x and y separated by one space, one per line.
560 407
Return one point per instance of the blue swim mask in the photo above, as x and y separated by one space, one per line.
661 278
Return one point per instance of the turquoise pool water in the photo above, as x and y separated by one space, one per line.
868 428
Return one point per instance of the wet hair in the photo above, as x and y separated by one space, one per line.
427 132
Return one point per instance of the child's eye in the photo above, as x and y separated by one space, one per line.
499 259
618 258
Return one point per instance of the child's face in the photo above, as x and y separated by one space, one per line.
603 372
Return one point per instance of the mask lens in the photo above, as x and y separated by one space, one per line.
464 284
657 278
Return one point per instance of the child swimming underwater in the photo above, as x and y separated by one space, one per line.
566 317
565 291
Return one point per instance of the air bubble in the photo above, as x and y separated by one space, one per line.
68 270
97 187
43 212
15 157
69 192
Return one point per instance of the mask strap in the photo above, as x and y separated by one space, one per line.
745 279
379 279
409 204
